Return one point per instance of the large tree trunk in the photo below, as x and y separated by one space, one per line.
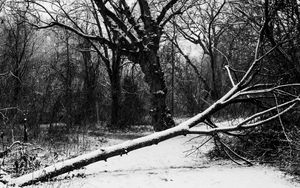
90 80
68 86
115 103
154 76
115 81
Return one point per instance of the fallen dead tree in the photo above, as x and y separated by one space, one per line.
241 91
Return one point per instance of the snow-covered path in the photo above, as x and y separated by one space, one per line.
166 165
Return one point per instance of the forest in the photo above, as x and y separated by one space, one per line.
74 68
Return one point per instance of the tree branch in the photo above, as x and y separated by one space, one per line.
105 12
229 75
91 37
165 9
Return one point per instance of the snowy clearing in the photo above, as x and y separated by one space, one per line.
166 165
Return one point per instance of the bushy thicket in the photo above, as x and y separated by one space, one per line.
272 143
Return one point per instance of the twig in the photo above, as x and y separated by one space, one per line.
229 75
197 148
246 91
259 114
4 74
193 139
4 153
235 154
280 121
228 155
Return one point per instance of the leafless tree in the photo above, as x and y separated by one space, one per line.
132 31
204 25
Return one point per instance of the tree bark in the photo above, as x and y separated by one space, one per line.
115 97
115 81
67 80
90 81
154 77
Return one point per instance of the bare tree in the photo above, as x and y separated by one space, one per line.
204 25
18 45
133 31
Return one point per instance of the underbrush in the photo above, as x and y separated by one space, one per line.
274 143
59 144
47 149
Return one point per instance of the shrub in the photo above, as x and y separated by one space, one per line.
273 143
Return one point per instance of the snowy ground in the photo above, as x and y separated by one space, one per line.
166 165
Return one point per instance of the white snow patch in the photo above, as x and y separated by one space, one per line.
159 92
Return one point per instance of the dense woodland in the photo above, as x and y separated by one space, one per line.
80 64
